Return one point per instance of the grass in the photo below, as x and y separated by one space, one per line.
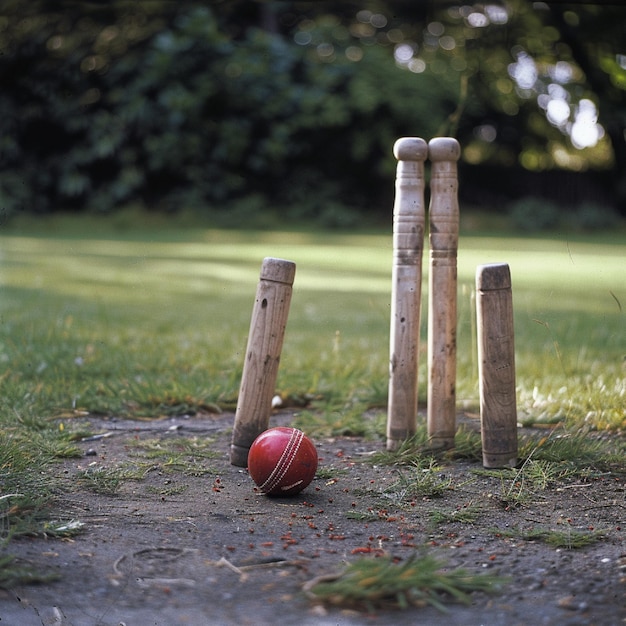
465 515
423 479
570 538
143 323
177 455
416 449
373 584
555 460
27 486
143 319
12 575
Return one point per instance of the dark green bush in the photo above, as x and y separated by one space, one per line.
590 216
180 115
532 214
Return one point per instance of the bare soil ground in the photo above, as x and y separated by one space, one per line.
195 544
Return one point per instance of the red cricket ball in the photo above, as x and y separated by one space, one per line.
282 461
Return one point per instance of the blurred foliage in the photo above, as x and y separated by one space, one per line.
592 216
185 116
532 214
535 214
229 107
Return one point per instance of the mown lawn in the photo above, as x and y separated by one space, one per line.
147 321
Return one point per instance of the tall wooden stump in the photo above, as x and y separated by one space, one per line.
496 365
265 342
444 152
408 246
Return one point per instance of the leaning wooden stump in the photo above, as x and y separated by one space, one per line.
496 365
260 369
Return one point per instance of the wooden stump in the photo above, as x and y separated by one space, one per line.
444 153
265 342
496 365
408 246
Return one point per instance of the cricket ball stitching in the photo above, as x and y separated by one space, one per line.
284 463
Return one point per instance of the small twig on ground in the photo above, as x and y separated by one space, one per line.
165 582
226 563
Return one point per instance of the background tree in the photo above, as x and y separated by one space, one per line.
234 106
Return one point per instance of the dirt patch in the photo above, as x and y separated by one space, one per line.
187 540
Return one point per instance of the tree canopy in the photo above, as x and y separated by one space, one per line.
239 104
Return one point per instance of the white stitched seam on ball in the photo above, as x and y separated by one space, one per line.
282 465
285 461
288 487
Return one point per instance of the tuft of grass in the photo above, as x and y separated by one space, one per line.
569 538
25 515
178 447
579 450
553 460
363 516
63 529
174 490
329 472
422 480
13 573
371 584
28 489
102 480
467 445
411 451
523 485
178 455
465 515
334 419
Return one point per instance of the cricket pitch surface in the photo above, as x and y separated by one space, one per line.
185 539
